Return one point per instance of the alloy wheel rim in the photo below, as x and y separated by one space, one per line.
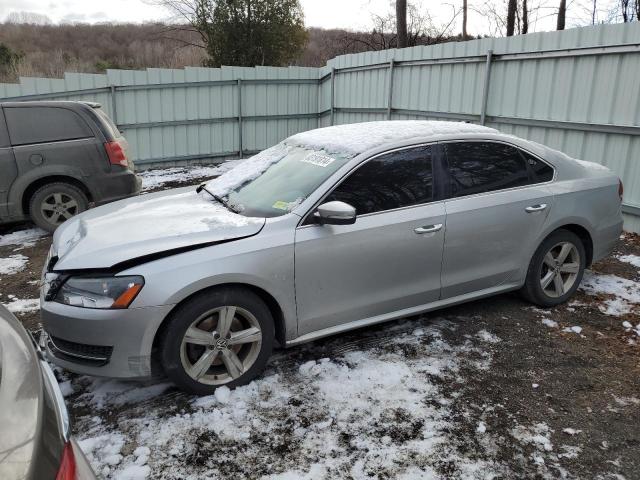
560 268
58 207
221 345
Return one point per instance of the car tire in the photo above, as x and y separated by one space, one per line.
54 203
556 269
197 349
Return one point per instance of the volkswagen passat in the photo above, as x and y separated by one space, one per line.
330 230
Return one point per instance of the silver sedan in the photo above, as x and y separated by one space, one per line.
332 229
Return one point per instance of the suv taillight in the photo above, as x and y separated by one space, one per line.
116 154
67 470
620 189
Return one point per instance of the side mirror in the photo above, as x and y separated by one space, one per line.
335 213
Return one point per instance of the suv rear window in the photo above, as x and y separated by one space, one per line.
44 124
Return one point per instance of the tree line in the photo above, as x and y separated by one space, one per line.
255 32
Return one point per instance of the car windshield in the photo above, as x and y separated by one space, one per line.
285 183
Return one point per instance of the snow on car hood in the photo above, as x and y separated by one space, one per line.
146 225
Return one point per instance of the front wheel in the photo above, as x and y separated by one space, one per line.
555 270
220 337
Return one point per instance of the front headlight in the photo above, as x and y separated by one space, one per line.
100 292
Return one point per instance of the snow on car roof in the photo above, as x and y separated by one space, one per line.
356 138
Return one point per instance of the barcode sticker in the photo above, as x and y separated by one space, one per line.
318 159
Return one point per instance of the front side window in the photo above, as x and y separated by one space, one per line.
393 180
44 124
477 167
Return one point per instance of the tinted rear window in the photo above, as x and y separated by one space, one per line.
44 124
106 124
477 167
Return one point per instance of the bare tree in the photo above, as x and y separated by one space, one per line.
525 17
562 14
401 22
512 7
464 19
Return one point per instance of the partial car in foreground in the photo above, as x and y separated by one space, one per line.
330 230
58 158
36 440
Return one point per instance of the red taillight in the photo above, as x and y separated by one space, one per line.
116 154
620 189
67 470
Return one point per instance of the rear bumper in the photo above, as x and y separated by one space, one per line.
109 343
117 186
606 240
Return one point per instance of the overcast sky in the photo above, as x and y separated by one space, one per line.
350 14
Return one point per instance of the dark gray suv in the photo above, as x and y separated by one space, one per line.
59 158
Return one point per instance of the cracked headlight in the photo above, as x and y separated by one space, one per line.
100 292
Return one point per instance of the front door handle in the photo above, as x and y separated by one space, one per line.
428 229
536 208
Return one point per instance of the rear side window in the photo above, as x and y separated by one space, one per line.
541 172
44 124
4 137
106 124
477 167
393 180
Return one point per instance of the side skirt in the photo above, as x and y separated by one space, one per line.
407 312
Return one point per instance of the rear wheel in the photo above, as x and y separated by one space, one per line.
220 337
55 203
555 270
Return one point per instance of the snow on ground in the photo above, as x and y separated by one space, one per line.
156 178
13 264
374 408
632 259
622 295
21 305
22 238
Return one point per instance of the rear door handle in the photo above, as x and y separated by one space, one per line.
536 208
428 229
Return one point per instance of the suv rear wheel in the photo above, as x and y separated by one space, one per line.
56 202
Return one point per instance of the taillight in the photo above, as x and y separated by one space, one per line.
67 470
116 154
620 189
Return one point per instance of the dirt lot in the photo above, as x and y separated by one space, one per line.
490 389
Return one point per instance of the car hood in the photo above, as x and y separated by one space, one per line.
143 227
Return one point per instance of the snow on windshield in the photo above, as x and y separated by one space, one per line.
356 138
247 170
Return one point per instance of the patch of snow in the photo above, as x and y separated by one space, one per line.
538 435
534 385
481 428
632 259
569 451
13 264
549 323
627 325
368 410
66 388
571 431
25 305
488 337
23 238
109 392
625 294
152 179
574 329
355 138
626 401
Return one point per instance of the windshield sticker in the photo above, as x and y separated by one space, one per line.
280 205
318 159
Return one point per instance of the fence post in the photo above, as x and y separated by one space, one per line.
333 91
241 149
390 97
485 89
114 111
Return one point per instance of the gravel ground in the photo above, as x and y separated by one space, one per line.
490 389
